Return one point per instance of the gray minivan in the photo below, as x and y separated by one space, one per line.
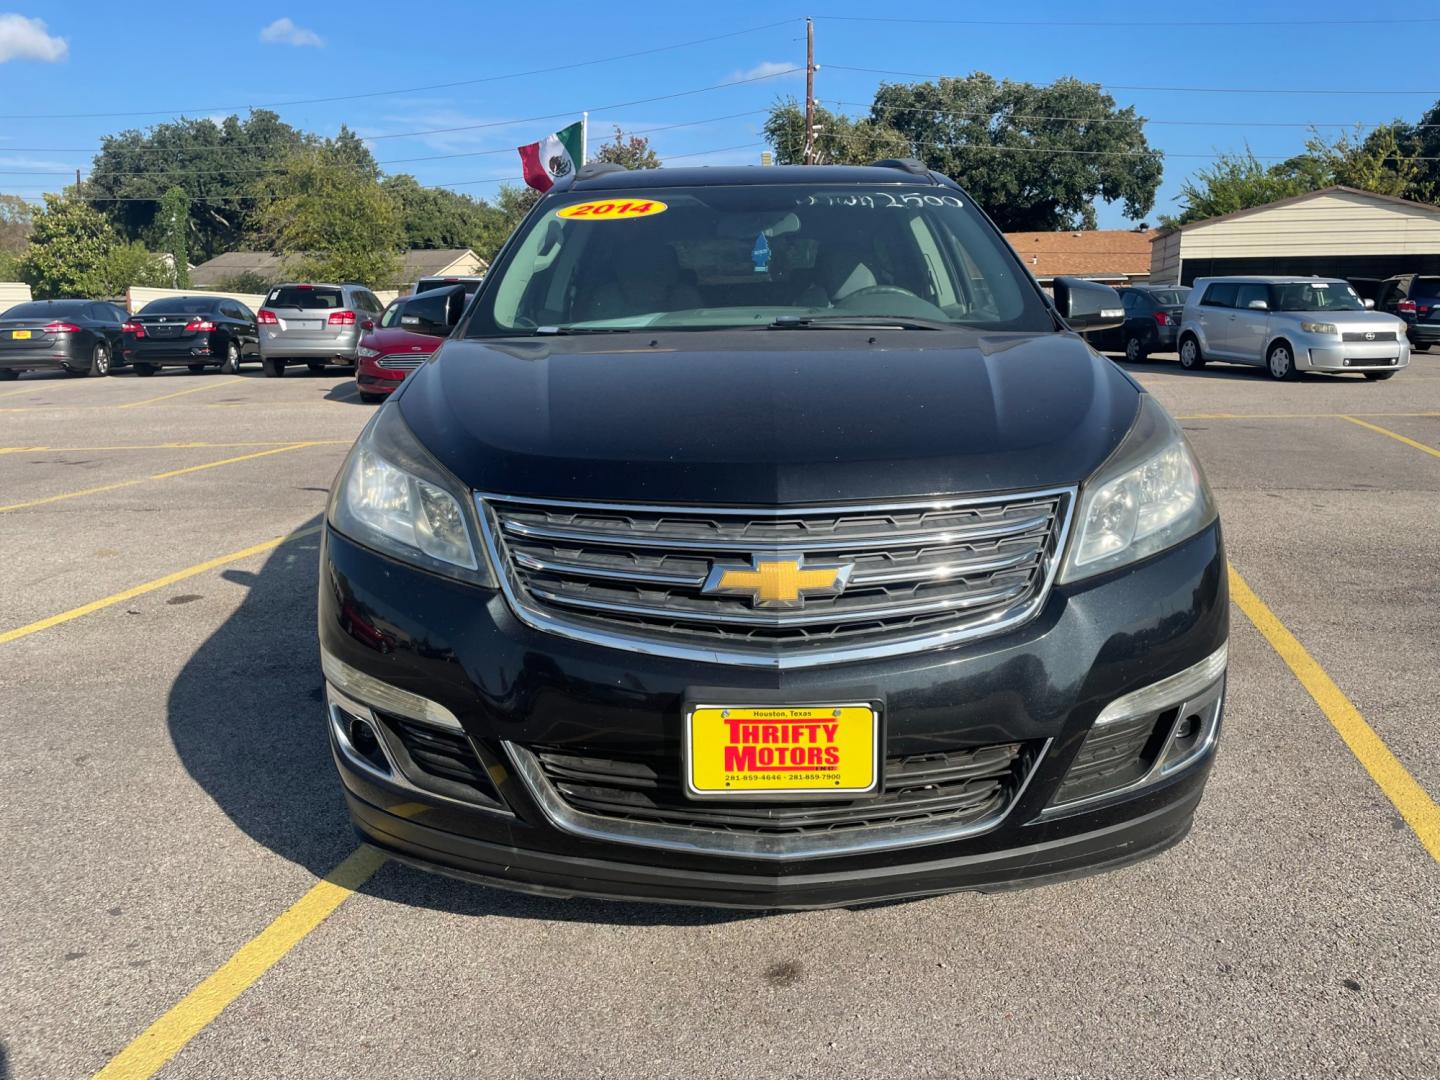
1288 325
318 325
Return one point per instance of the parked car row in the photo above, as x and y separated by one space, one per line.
1285 324
315 324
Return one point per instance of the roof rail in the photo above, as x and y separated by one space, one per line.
592 169
905 164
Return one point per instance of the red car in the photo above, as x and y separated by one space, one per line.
407 335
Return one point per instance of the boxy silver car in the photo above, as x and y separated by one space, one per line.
1289 325
314 324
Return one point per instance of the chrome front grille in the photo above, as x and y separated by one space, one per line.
402 362
920 574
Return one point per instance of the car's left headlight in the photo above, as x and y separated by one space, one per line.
393 496
1148 496
1319 328
368 353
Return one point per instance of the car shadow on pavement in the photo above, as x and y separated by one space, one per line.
245 715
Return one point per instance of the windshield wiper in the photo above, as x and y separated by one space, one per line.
855 322
551 330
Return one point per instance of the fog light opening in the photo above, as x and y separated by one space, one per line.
359 739
1187 732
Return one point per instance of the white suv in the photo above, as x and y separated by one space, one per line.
1289 325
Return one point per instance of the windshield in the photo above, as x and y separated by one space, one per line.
1315 296
178 305
742 256
1169 297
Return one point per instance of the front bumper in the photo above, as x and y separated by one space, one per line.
1355 356
460 649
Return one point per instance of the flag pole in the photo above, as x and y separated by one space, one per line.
584 138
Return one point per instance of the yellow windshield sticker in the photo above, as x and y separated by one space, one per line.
613 209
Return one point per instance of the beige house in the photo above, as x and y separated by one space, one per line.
1335 232
415 264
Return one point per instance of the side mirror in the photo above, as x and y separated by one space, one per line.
368 324
416 325
1258 305
1369 305
1087 305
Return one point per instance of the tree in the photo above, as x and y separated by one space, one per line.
16 219
1379 162
246 281
215 164
839 140
632 153
1018 148
333 223
74 252
438 218
174 224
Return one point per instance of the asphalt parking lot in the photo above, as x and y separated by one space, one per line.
170 813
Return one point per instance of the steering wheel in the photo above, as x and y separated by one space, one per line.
879 290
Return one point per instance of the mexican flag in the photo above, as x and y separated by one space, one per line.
535 158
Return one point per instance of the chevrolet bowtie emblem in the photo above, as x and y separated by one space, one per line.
779 582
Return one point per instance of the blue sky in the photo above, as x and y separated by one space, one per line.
160 60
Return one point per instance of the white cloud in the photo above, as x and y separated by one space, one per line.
285 32
26 39
767 68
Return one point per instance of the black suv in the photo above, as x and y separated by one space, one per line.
1416 299
766 537
1152 321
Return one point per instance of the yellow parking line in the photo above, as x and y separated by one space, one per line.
168 446
1295 416
1414 803
168 1035
210 384
154 476
150 586
1395 435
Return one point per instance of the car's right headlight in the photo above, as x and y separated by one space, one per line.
393 496
1325 328
1148 496
368 353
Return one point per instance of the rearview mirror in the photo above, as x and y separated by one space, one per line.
1087 305
368 324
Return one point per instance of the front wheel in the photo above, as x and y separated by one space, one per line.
100 361
1190 358
231 364
1281 363
1134 351
143 370
274 368
1379 376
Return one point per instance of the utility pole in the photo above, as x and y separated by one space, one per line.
77 181
809 92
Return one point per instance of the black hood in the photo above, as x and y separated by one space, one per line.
769 417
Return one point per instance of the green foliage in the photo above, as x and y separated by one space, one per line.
16 216
9 266
246 281
632 153
839 140
1380 162
438 218
334 223
74 252
174 223
512 203
216 165
1003 141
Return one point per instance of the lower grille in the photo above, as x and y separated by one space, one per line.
1381 361
951 788
439 759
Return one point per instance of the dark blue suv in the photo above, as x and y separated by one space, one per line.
1152 321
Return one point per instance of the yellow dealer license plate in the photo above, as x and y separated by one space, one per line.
20 335
747 751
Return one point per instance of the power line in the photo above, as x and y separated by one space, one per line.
1175 89
403 90
1082 24
261 170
